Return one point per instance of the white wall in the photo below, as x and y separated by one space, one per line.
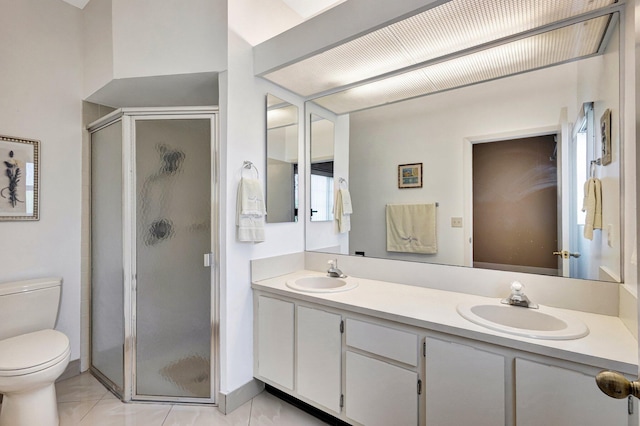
629 89
595 84
243 138
98 45
146 53
41 85
153 38
434 130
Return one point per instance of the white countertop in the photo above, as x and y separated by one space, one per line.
609 345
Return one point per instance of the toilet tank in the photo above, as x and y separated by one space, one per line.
27 306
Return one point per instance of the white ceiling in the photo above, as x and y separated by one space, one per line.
259 20
309 8
304 8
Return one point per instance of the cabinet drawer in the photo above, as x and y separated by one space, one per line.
394 344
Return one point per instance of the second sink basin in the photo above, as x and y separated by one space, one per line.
543 323
322 284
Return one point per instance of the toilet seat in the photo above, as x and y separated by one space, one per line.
32 352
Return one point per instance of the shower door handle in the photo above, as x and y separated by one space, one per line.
208 260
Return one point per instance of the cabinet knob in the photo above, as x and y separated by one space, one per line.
616 385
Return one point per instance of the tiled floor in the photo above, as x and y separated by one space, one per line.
82 400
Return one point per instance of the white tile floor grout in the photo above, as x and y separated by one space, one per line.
83 401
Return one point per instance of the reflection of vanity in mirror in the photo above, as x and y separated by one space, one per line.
282 161
477 98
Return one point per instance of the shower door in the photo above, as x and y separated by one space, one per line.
107 257
172 297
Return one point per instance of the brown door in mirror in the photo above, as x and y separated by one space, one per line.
515 221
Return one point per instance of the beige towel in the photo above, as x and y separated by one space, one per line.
342 210
592 204
250 211
411 228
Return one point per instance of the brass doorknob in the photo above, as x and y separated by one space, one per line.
566 254
616 385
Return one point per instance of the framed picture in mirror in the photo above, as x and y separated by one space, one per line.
19 178
605 133
410 175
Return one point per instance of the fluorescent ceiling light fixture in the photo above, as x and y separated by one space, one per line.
542 50
443 30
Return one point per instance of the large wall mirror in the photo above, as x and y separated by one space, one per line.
282 161
537 117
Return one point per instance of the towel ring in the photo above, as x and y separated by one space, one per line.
343 180
592 167
248 165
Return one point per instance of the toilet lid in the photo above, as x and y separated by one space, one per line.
32 352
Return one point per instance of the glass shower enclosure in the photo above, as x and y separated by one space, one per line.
153 290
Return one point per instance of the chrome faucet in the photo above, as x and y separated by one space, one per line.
518 298
333 270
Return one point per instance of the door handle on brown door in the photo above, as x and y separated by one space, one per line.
566 254
616 385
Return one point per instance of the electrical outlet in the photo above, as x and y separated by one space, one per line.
456 222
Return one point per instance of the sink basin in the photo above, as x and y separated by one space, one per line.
322 284
543 323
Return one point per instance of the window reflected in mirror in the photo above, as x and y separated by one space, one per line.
282 161
322 153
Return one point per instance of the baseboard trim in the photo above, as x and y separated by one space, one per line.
315 412
227 402
72 370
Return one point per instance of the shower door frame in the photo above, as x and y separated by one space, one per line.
128 116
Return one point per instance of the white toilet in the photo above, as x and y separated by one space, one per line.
32 354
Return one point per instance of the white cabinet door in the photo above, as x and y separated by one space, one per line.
379 393
275 341
319 343
464 385
549 395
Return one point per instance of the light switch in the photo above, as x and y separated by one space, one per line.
456 222
610 235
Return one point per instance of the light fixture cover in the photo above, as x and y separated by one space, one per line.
542 50
443 30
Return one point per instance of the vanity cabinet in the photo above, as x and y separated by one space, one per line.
318 348
381 374
274 340
369 371
464 385
551 395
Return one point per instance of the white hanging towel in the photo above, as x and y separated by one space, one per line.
411 228
342 210
592 205
250 211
